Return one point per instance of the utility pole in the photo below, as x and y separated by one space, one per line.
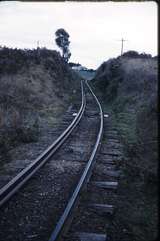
122 40
122 46
38 50
37 44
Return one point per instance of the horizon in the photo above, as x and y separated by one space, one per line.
111 21
1 46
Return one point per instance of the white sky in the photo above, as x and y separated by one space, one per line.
94 27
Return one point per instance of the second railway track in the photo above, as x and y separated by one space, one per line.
35 209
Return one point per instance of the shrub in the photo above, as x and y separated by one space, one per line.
135 54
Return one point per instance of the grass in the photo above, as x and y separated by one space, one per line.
32 87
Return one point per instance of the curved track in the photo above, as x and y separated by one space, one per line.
86 167
18 181
65 219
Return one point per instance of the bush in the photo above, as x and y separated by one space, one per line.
13 60
135 54
131 54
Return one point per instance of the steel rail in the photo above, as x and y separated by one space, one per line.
66 218
19 180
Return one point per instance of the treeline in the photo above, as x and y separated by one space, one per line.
12 60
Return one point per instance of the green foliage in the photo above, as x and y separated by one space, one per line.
108 78
62 40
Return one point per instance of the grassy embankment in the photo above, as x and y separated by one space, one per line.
128 87
35 86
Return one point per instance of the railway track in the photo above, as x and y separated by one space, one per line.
53 204
18 181
66 217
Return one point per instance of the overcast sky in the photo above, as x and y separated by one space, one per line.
95 28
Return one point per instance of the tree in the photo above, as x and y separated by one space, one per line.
62 40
